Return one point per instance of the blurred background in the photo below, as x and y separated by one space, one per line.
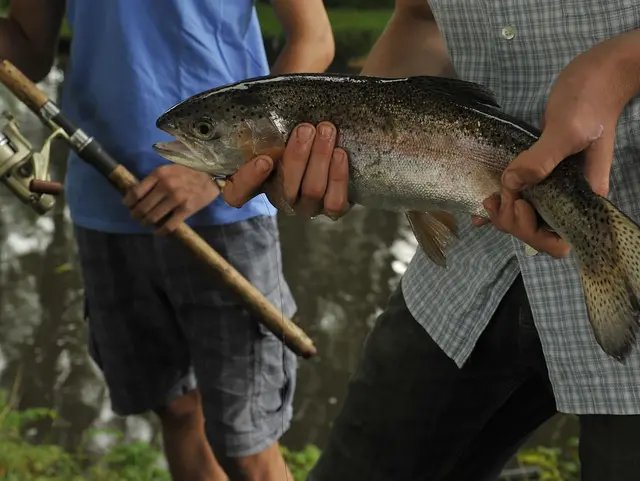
54 412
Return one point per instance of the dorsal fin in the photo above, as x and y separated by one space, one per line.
473 95
462 90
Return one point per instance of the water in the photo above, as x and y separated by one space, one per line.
341 274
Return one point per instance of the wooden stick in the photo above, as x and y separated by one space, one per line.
92 152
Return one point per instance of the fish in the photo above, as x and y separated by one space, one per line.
432 148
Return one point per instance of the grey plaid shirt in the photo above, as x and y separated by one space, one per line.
517 48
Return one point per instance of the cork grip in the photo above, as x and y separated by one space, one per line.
22 87
272 318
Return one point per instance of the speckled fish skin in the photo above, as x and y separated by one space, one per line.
411 146
429 147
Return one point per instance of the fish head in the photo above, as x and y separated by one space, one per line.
217 131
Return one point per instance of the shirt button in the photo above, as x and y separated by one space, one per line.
529 251
508 32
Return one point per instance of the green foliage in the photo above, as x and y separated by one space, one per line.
301 462
21 460
557 464
18 457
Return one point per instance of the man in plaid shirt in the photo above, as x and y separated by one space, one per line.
466 363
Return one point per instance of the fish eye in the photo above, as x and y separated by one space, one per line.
204 130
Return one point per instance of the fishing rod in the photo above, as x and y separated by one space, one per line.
25 172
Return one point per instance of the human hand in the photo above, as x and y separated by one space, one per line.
511 214
170 195
580 116
311 178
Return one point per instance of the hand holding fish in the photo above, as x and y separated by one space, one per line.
580 116
432 147
172 194
311 177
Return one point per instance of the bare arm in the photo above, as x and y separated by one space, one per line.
309 39
411 44
29 36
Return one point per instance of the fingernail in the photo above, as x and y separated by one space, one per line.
325 131
339 157
304 133
511 180
263 165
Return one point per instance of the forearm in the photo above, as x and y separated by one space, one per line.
410 45
309 45
29 35
313 55
622 55
15 47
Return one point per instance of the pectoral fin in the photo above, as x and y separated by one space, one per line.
434 232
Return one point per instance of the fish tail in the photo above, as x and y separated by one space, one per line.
610 273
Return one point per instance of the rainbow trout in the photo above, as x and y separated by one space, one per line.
429 147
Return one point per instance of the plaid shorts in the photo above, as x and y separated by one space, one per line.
159 320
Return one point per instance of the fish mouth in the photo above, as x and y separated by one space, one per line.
175 151
179 153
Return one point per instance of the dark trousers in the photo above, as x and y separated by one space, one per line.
412 415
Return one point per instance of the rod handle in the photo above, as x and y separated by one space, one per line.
21 86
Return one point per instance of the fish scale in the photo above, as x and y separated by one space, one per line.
429 147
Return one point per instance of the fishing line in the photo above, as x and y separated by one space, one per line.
279 268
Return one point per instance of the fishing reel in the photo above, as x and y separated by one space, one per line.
25 170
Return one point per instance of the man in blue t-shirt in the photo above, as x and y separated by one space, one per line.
158 319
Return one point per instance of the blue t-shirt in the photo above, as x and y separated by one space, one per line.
130 61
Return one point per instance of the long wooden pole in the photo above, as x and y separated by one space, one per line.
92 152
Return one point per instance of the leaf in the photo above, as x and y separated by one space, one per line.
62 268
